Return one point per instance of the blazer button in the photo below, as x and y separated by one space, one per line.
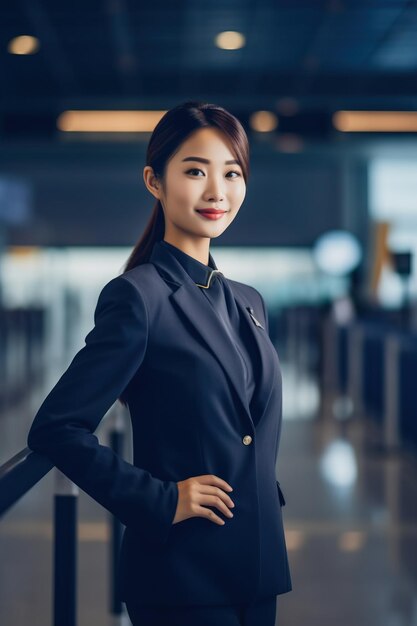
247 439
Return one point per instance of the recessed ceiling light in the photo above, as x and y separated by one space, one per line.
375 121
263 121
23 44
109 121
288 106
289 142
230 40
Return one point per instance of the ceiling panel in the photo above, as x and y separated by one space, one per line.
128 53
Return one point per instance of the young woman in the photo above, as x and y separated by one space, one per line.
188 351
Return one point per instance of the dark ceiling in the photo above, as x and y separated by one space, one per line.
302 59
127 54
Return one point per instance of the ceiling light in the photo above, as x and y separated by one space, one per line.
375 121
230 40
23 44
263 121
109 121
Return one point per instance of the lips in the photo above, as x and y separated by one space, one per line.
211 214
211 211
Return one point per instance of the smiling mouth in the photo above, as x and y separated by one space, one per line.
214 211
211 214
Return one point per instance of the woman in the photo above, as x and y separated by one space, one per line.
188 351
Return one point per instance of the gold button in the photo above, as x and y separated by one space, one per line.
247 439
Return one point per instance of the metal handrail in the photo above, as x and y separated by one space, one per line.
17 476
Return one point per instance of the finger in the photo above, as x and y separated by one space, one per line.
216 501
208 479
201 511
216 491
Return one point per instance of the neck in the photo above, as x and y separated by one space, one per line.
199 250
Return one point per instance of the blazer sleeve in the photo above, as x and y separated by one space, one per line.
63 427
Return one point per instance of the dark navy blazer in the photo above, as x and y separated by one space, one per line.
157 342
215 286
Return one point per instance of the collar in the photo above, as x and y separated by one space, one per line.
202 275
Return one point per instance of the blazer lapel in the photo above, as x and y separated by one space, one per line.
191 302
203 319
267 376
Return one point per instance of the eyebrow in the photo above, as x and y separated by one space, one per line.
201 160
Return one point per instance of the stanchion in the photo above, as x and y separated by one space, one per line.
65 551
355 368
116 437
391 433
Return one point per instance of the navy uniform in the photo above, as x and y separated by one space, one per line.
189 350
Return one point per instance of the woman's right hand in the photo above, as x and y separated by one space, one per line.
197 491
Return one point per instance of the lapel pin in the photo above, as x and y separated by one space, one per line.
255 321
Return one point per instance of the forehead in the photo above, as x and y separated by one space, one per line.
206 142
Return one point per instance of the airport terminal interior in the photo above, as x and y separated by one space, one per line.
327 234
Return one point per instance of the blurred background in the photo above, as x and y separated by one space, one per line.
327 92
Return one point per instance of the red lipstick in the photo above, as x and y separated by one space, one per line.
211 214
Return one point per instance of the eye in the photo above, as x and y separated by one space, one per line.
196 169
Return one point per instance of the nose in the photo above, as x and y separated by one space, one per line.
214 191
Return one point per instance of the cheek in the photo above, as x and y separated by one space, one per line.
186 192
238 195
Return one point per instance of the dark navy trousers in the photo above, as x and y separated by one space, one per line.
259 613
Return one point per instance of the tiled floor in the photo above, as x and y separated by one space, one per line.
350 520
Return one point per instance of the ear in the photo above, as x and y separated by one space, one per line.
151 181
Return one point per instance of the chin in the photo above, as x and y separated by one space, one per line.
216 232
214 236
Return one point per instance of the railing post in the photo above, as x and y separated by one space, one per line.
355 368
330 354
65 551
391 396
116 436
